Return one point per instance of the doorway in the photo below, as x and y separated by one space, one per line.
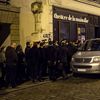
4 32
97 32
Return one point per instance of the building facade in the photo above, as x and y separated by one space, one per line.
9 23
58 20
74 25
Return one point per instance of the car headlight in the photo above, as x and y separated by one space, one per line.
96 59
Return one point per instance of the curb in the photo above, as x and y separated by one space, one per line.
21 87
24 86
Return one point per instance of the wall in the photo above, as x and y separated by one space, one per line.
27 25
9 14
71 4
26 19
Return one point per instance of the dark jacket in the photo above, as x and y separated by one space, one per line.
34 55
27 51
63 53
51 53
11 55
21 57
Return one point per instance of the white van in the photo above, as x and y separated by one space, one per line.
87 58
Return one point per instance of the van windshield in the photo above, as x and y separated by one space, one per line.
92 45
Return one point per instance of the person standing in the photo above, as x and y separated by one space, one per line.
34 61
63 60
2 67
21 70
27 59
51 57
11 65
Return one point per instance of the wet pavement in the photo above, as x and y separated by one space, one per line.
74 88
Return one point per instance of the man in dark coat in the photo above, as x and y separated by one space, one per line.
27 58
51 57
63 58
34 59
11 68
2 67
21 70
71 50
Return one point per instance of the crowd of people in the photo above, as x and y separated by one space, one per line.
38 61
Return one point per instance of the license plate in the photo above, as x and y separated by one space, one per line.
82 70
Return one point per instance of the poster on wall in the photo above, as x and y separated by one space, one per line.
82 38
81 31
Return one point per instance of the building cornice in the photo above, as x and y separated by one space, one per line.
5 7
89 3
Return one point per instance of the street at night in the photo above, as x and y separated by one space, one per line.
74 88
44 44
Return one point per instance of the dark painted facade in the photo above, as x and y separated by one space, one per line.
73 25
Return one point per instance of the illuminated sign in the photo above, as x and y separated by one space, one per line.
70 18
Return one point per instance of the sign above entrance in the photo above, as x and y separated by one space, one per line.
70 18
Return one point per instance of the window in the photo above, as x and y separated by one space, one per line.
64 30
81 31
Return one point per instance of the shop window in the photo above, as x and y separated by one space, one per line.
81 32
64 30
56 30
96 20
73 31
97 32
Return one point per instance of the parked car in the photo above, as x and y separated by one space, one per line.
87 58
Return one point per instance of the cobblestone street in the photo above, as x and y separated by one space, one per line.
74 88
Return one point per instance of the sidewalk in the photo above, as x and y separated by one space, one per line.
22 86
27 85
